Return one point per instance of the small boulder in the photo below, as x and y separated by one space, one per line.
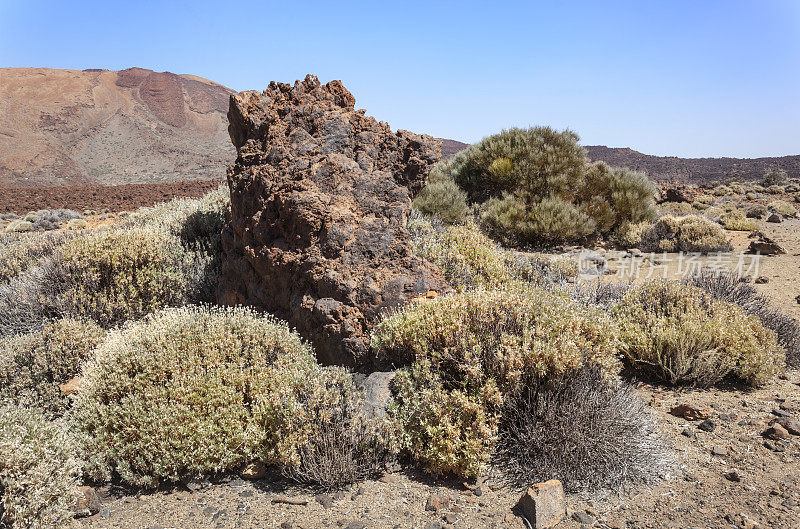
543 504
88 503
437 501
776 432
691 413
764 245
775 218
377 393
790 424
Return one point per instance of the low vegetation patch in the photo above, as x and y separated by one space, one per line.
466 353
32 366
206 390
782 207
38 470
690 233
682 335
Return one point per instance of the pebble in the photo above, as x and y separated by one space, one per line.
707 425
719 450
583 518
325 500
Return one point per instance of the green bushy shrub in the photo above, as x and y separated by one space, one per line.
465 353
442 198
38 470
691 233
18 253
19 226
205 390
32 366
535 186
681 335
629 234
775 190
750 195
782 208
549 221
721 191
704 199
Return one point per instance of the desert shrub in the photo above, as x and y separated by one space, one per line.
690 233
737 221
465 353
442 198
721 191
206 389
19 226
536 187
580 430
775 177
600 294
117 276
792 188
76 224
629 235
775 190
346 446
195 227
737 188
550 221
757 188
30 299
38 470
704 199
727 287
51 219
470 259
751 195
33 365
782 208
20 252
682 335
757 211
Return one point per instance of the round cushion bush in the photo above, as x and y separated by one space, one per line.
195 390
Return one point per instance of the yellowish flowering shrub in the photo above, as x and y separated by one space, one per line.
681 335
737 221
20 252
33 365
467 352
38 470
469 259
690 233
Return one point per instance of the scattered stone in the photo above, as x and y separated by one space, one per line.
583 518
289 501
72 386
105 513
707 426
719 450
193 482
325 500
246 493
780 413
88 503
543 504
691 413
389 478
775 218
675 194
356 525
320 194
761 280
254 471
776 432
437 501
775 447
450 518
790 424
732 475
764 245
686 432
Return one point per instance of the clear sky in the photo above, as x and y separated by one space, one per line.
685 78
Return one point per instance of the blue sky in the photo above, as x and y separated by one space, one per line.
685 78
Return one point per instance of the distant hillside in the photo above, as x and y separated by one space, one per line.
66 127
674 169
693 170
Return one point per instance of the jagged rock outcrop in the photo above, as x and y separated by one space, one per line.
320 194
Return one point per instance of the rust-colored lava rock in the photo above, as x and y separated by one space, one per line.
320 195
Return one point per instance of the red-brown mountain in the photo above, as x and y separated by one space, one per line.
66 127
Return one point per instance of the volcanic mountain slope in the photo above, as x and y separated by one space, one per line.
66 127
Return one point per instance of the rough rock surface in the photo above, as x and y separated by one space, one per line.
320 194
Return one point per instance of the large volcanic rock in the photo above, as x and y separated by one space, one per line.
320 194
